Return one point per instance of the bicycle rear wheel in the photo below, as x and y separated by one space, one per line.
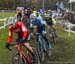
16 59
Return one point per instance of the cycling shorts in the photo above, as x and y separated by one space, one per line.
19 39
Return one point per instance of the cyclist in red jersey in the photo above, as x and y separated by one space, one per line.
22 32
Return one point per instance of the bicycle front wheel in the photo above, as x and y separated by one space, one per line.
17 60
40 52
47 47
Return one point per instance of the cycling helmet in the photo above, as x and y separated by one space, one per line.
12 21
32 16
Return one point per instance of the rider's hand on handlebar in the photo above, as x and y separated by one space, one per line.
7 46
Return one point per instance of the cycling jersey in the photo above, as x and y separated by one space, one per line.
54 21
49 21
20 29
40 18
46 15
38 24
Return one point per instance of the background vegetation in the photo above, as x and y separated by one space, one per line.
12 4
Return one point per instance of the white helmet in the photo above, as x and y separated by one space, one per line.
32 16
11 21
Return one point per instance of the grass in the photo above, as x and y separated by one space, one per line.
64 49
6 14
62 52
4 54
1 23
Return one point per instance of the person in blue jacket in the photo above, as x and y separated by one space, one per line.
40 29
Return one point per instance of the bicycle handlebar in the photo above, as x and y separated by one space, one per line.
13 45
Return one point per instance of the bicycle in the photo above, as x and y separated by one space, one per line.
26 59
43 47
53 34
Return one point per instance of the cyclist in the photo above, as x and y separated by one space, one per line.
50 24
19 15
46 14
49 21
28 12
36 23
35 11
39 17
40 11
22 32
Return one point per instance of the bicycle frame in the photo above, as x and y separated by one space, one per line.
52 32
42 42
40 48
20 51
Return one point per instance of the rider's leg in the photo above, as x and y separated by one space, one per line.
29 48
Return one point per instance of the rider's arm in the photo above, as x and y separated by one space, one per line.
10 35
33 23
36 23
24 30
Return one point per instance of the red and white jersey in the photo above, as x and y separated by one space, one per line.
19 28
